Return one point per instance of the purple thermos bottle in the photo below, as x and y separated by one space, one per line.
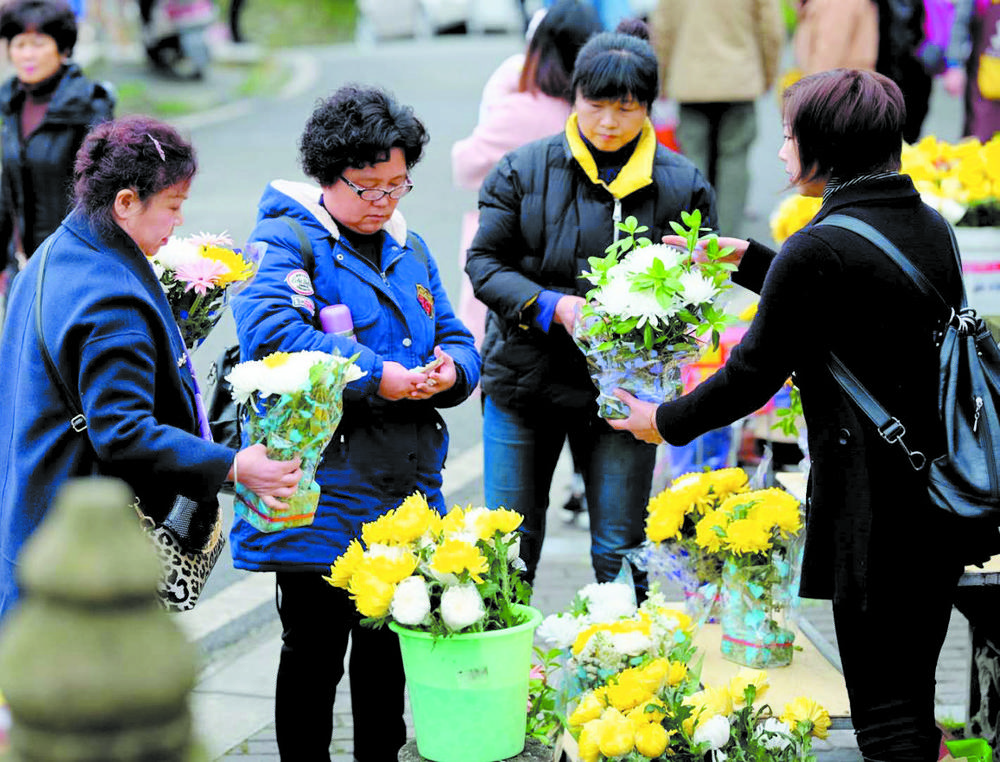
337 319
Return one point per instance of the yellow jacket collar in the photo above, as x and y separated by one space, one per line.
638 170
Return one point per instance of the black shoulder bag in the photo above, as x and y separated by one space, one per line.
964 480
190 539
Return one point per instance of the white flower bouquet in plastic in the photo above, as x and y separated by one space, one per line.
649 306
292 402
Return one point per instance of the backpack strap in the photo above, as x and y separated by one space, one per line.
889 427
305 245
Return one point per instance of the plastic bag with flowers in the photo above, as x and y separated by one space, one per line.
199 274
649 305
656 713
292 402
438 574
671 549
756 534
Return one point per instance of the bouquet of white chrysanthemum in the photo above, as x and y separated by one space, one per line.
649 306
292 402
198 274
603 632
437 574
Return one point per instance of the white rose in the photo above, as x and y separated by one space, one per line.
410 603
609 601
461 606
773 733
714 731
631 643
560 630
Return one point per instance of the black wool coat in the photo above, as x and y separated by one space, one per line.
868 515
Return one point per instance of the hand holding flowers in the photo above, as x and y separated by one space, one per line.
456 573
197 274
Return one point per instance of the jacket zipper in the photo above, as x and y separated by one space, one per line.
616 217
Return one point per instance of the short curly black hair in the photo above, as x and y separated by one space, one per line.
52 17
356 127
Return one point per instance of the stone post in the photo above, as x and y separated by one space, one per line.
92 668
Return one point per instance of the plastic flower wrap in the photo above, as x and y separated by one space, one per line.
672 549
649 306
439 574
292 402
755 534
648 713
198 274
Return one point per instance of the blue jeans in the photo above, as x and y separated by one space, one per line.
521 452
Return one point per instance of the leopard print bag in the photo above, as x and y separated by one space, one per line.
185 571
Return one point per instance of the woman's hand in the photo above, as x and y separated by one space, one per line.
438 379
398 383
641 421
269 479
568 311
738 244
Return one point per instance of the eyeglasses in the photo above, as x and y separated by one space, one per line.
377 194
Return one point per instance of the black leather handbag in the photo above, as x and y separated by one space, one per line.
965 480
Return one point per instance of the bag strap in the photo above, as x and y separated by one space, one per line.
889 427
78 421
305 245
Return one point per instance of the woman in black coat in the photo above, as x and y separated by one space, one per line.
46 110
875 544
543 210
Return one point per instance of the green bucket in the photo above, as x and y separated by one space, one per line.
974 749
469 692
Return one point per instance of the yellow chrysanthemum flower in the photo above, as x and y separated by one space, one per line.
453 521
589 708
706 534
777 508
652 675
653 710
414 518
710 701
346 564
664 520
792 214
748 536
457 556
804 709
502 520
745 677
389 563
237 268
677 673
640 624
371 595
617 738
724 482
651 740
381 531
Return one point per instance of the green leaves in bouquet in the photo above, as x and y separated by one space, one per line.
545 719
787 416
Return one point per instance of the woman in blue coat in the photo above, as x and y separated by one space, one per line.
359 146
112 337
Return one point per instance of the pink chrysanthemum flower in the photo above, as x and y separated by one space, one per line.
200 275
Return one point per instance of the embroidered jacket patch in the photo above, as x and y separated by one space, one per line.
300 282
426 299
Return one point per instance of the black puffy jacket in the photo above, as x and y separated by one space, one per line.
38 172
542 213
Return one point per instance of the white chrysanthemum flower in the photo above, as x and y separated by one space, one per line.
608 601
714 731
641 259
461 606
177 251
773 734
411 603
618 299
697 289
631 643
560 630
212 239
286 374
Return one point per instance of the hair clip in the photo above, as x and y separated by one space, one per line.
159 148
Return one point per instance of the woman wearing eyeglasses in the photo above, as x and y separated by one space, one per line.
358 146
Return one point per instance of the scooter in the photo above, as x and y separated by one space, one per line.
173 33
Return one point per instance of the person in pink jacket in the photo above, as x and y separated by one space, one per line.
513 115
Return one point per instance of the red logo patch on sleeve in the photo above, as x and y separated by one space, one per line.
426 299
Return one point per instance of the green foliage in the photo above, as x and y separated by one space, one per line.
787 416
545 720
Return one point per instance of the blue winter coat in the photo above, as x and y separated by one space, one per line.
382 451
110 332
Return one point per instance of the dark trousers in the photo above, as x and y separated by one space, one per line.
317 620
889 652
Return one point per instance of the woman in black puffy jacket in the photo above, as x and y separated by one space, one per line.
46 108
544 210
